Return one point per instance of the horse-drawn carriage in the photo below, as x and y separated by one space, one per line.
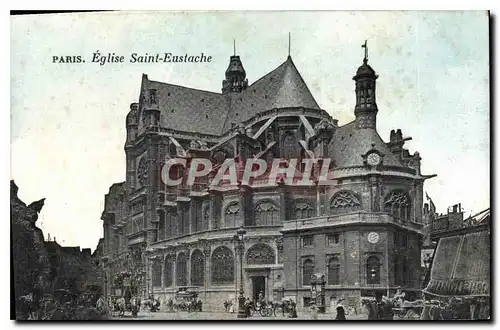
186 300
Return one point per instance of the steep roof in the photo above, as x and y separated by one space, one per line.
350 142
199 111
281 88
189 109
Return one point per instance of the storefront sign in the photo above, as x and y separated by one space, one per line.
458 287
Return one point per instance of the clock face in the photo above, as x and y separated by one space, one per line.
373 159
373 237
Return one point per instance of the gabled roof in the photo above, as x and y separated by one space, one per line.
193 110
349 143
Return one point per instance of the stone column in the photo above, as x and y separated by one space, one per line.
188 267
162 272
279 249
206 254
174 270
282 206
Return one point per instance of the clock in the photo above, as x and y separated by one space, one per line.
373 159
373 237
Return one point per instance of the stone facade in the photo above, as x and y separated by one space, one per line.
171 237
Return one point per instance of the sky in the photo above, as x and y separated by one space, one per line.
68 119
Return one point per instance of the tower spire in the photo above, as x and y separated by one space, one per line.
289 42
366 105
234 47
365 46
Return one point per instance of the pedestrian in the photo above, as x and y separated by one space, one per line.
314 311
340 313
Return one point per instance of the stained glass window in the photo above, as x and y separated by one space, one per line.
197 268
222 266
266 214
303 210
398 204
334 271
181 269
230 214
289 146
260 254
167 272
345 201
307 271
156 273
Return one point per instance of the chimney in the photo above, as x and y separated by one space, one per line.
455 208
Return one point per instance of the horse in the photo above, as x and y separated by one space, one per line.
226 304
120 306
284 305
378 311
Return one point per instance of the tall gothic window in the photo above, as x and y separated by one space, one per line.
398 271
334 271
307 271
181 269
398 204
345 201
198 219
266 214
161 228
206 216
260 254
406 271
197 268
230 214
289 146
302 209
170 223
183 219
222 266
156 273
168 271
373 270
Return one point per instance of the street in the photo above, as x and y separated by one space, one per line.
163 315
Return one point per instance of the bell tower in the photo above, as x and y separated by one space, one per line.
235 76
366 105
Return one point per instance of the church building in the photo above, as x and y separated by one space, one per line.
362 232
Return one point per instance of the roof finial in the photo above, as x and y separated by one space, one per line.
289 42
234 47
365 46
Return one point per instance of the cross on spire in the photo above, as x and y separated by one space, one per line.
289 42
234 47
365 46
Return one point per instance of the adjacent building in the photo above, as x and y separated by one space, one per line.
362 231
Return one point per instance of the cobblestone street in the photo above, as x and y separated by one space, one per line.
162 315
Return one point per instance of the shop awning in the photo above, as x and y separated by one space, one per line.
461 266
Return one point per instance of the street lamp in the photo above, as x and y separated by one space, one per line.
240 247
105 278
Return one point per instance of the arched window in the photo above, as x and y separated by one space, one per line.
302 209
289 146
373 270
260 254
398 204
230 214
345 201
181 269
307 271
266 214
168 270
222 266
334 271
156 273
197 268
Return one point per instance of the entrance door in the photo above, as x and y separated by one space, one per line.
259 285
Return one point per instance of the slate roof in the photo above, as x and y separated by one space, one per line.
349 143
193 110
